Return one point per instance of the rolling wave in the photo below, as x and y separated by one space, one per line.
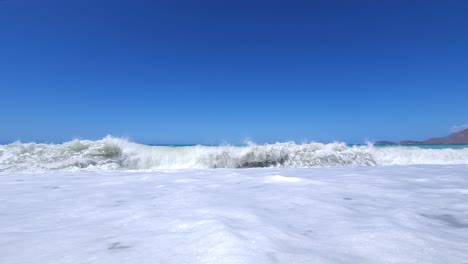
112 153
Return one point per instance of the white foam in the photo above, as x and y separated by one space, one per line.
279 178
355 215
119 154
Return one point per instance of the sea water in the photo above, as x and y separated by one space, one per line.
120 154
114 201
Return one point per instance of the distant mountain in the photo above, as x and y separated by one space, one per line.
457 138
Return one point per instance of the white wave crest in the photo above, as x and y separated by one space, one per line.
112 153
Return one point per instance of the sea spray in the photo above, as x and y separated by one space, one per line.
112 153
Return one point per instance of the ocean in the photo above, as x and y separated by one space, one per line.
116 201
111 154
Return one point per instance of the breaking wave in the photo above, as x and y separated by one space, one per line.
112 153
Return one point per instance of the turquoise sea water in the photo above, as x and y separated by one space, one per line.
423 146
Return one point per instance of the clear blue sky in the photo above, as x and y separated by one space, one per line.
222 71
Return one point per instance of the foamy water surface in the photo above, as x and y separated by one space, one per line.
357 214
119 154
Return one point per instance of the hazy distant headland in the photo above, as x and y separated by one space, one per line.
457 138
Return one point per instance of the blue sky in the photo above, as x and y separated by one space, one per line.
222 71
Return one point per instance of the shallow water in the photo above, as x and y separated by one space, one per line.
377 214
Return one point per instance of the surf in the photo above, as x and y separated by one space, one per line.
111 153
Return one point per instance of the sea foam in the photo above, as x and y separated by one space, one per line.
112 153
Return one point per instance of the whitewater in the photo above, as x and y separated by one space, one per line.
116 201
119 154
